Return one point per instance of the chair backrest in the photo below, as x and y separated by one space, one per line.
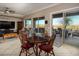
52 39
23 37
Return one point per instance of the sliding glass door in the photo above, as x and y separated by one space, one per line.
57 27
66 26
74 18
73 26
57 23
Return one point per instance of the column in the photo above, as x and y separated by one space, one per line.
48 26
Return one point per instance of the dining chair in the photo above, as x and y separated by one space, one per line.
48 48
25 45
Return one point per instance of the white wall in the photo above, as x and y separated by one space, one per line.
3 18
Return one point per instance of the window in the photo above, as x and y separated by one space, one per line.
28 23
57 21
39 24
57 15
74 17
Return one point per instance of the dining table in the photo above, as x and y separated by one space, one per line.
36 40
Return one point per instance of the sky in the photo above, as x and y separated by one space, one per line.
74 20
40 21
57 21
28 22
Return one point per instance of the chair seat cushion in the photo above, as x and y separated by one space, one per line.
46 47
26 46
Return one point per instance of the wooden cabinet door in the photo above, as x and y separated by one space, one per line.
19 26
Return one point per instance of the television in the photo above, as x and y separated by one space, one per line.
7 25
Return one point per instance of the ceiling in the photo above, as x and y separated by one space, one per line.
25 8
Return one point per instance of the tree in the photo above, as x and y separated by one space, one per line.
66 23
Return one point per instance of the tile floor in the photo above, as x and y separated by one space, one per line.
11 47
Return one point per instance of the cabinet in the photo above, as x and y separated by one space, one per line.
9 35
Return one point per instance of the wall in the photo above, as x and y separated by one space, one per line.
3 18
47 13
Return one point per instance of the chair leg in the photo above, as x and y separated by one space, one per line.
34 49
40 52
47 54
20 52
29 53
26 52
53 53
